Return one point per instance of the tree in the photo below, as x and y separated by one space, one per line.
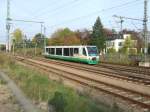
127 46
98 35
17 36
64 37
2 47
38 39
111 51
84 36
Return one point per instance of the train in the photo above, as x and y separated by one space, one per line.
80 54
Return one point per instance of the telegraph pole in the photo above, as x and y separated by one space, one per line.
42 32
44 39
121 22
145 30
8 45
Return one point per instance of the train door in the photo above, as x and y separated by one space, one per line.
84 51
76 51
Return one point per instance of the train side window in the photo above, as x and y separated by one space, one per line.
84 52
76 50
58 51
66 51
47 49
52 51
71 51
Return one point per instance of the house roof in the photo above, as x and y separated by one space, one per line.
114 36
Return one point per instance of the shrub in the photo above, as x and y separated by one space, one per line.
115 108
58 102
111 51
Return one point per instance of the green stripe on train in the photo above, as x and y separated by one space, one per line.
73 59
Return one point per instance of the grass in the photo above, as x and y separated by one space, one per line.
39 88
122 59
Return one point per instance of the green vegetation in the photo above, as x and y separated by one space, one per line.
2 47
111 51
128 47
127 54
29 51
39 88
116 58
98 35
2 82
38 40
17 36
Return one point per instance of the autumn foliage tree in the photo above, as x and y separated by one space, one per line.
84 36
17 36
64 37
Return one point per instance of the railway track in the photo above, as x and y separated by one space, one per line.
134 78
135 98
131 69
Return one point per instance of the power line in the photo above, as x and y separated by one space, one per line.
40 10
57 8
93 13
60 7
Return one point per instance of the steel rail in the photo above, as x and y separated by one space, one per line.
96 85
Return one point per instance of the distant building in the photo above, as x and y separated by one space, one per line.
116 41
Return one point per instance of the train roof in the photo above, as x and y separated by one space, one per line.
68 46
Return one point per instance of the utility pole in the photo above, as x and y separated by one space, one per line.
121 22
8 45
28 21
145 30
42 33
44 39
24 44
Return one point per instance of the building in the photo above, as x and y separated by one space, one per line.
116 41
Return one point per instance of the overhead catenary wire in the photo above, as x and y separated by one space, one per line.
96 12
64 5
41 9
57 8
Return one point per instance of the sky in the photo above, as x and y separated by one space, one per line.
74 14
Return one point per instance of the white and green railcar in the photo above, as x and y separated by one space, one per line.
83 54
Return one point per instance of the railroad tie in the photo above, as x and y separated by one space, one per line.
138 98
147 102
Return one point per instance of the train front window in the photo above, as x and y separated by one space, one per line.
92 51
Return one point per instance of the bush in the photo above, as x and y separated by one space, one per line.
2 59
3 82
39 88
115 108
132 51
111 51
58 102
29 51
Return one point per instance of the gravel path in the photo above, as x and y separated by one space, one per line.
19 95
